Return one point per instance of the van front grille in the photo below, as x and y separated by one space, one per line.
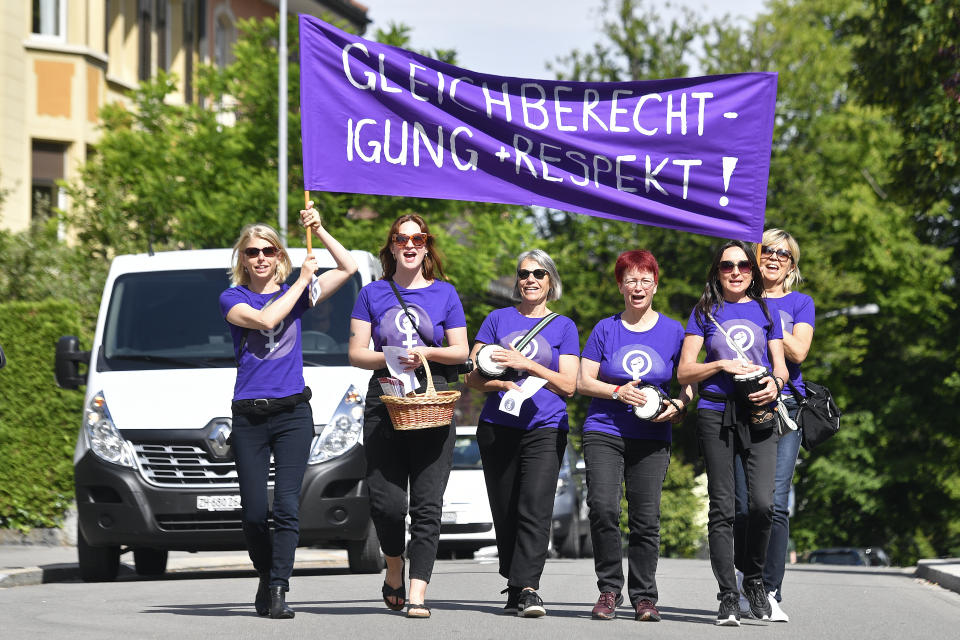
184 465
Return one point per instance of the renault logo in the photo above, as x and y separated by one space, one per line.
218 440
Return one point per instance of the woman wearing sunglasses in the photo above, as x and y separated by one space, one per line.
732 322
779 256
522 437
633 347
414 308
271 409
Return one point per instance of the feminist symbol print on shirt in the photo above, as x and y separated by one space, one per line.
269 344
397 330
637 363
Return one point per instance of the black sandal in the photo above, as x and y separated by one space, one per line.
395 592
417 607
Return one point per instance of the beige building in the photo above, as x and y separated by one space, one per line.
61 60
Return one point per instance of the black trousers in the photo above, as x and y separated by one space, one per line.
641 466
520 469
418 458
287 436
719 446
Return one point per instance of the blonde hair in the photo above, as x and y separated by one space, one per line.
776 236
238 272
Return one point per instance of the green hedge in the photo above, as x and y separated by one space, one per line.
38 420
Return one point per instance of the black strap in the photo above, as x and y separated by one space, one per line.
800 398
246 330
537 328
403 303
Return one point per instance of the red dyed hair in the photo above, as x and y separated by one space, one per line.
639 259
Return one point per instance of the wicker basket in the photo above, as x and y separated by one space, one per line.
422 410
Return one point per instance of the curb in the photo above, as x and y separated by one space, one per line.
28 576
935 571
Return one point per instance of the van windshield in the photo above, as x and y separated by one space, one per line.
171 320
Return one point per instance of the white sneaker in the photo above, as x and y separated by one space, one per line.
776 614
744 603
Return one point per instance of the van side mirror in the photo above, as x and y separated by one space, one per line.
66 366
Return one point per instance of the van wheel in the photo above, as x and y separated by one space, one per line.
150 562
97 564
364 555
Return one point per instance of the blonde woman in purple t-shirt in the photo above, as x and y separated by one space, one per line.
637 346
271 409
522 437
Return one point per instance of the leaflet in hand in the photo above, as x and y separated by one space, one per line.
514 398
315 290
408 378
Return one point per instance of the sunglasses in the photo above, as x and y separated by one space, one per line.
268 252
539 274
781 254
418 239
726 266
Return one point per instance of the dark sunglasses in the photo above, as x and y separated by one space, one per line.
268 252
418 239
781 254
743 266
539 274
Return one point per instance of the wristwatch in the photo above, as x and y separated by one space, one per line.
615 395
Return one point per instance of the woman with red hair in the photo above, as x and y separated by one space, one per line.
627 366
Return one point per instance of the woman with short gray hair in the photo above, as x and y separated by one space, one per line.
528 359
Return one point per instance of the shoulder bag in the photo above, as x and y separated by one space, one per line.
818 415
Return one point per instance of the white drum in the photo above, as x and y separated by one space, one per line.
487 367
654 403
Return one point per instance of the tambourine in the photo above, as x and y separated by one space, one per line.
747 383
654 404
485 364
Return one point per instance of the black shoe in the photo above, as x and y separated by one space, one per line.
757 596
278 604
729 615
262 602
530 605
513 599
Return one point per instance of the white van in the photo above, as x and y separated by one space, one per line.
152 469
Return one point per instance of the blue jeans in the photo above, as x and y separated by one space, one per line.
613 461
787 451
287 435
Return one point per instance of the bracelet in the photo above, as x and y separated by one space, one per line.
777 381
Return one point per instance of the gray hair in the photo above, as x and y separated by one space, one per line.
544 260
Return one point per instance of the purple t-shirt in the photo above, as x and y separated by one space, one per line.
545 409
625 355
271 365
435 309
794 308
746 324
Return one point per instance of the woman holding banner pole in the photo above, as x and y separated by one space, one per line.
522 432
411 311
271 408
740 378
779 257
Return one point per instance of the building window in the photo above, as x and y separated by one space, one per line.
144 32
49 160
224 35
50 19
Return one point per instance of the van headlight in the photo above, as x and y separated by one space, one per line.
343 431
103 438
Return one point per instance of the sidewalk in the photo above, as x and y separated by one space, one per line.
22 565
944 572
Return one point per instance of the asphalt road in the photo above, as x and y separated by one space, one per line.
823 602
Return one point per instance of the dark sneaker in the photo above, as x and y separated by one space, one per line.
606 607
757 597
530 605
729 615
513 599
646 612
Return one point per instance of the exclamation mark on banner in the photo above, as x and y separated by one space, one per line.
729 164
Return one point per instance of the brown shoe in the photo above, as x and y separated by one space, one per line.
606 607
646 612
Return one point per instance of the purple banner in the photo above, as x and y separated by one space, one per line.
691 154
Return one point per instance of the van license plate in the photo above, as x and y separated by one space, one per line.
448 517
218 503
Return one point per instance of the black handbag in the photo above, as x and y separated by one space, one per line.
818 415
